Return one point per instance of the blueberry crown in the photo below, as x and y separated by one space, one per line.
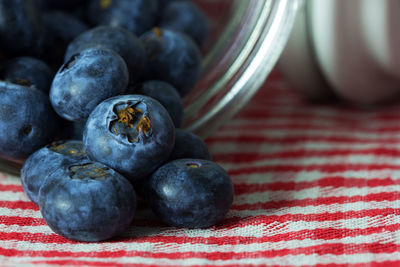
89 171
74 148
130 121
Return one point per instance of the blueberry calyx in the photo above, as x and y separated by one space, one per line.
127 115
193 165
157 31
105 4
27 129
73 148
88 171
23 81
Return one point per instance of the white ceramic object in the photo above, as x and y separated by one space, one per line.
351 47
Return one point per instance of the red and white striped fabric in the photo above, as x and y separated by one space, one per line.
316 185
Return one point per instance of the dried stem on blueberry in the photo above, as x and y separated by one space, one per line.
192 165
24 82
91 171
128 117
125 116
157 31
71 149
144 125
104 4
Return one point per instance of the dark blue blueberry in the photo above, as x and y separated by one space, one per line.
81 13
132 134
117 39
189 145
190 193
166 94
28 71
61 28
85 80
87 202
60 4
172 57
46 160
27 121
21 27
186 17
137 16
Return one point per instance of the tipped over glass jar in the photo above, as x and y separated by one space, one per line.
245 41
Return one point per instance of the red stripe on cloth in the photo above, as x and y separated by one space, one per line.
240 139
390 196
313 167
310 113
314 234
313 125
332 182
243 157
11 188
21 221
25 205
103 263
234 222
333 249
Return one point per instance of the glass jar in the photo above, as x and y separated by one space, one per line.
246 39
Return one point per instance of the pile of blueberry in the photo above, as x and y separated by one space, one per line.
106 125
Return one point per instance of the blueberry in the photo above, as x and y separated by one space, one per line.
28 71
164 93
186 17
172 57
61 4
27 121
63 25
85 80
189 145
46 160
137 16
190 193
132 134
117 39
61 28
87 202
21 27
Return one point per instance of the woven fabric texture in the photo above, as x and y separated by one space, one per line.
316 185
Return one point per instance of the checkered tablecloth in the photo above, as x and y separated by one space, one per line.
316 185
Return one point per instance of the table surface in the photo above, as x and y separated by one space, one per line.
316 184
